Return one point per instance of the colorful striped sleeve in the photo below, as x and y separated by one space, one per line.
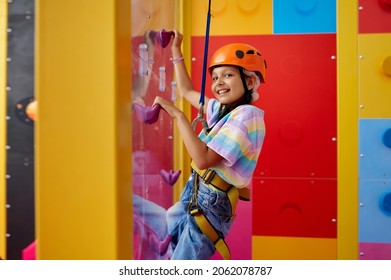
238 138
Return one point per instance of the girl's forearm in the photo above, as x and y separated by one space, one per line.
199 152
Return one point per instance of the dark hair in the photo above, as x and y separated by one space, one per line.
244 100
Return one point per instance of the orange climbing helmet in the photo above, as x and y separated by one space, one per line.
240 54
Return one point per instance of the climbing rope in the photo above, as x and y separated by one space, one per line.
200 116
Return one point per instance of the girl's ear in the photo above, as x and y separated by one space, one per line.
250 81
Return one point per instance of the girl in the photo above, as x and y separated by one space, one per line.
224 157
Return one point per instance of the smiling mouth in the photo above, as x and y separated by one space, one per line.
222 91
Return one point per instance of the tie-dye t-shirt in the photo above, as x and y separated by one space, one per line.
238 138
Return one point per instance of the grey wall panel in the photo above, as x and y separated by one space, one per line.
20 129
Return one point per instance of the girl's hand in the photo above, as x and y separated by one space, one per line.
168 106
149 39
176 44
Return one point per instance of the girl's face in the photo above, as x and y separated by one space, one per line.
227 84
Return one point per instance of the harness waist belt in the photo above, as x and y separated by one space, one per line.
211 177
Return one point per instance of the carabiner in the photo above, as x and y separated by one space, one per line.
200 118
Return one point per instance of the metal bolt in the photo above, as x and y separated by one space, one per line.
334 139
193 59
333 57
7 206
333 220
361 155
361 204
361 57
362 106
7 235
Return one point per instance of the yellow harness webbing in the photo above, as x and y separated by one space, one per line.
211 178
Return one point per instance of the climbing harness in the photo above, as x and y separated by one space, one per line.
214 181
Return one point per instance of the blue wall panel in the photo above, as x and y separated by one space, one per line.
304 16
375 211
375 148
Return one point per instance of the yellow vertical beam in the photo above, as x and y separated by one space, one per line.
3 126
83 132
181 156
347 109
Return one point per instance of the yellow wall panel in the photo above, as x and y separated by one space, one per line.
347 129
232 17
374 80
3 106
83 133
152 15
293 248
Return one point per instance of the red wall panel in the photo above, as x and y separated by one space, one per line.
374 16
295 207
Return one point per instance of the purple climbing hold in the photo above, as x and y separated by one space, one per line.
170 177
163 37
147 114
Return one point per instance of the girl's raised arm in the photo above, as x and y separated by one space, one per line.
184 83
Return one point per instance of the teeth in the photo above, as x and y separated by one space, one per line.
222 91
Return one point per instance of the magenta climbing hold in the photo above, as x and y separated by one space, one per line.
160 246
163 37
170 177
147 114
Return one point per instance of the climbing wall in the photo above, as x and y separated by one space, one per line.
20 128
294 205
152 152
374 129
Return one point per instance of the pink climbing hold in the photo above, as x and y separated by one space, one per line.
170 177
160 246
147 114
163 37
